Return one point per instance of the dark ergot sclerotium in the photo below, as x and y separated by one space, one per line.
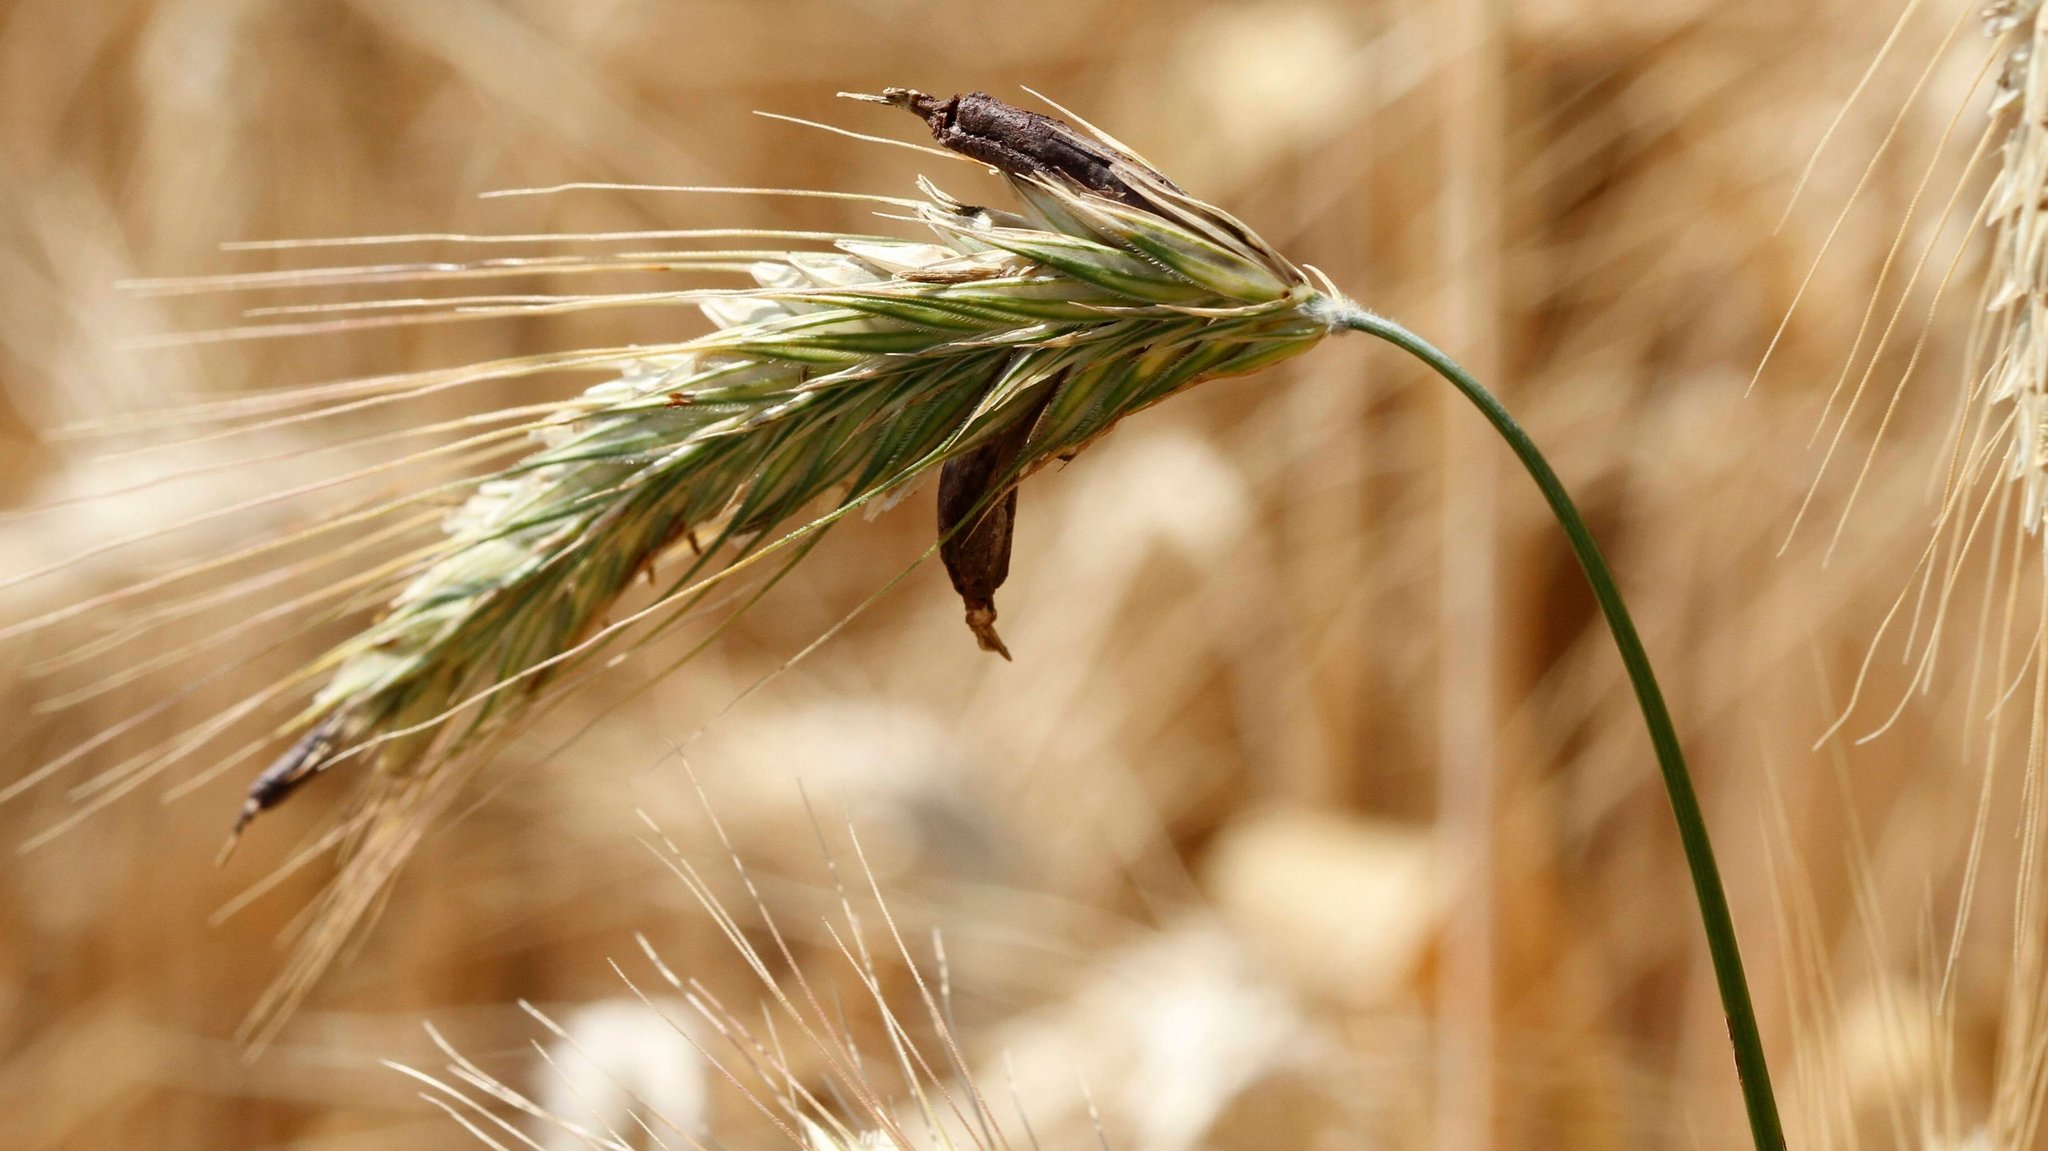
306 758
1017 141
977 553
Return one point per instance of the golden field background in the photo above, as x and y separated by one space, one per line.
1314 811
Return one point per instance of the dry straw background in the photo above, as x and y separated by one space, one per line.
1220 843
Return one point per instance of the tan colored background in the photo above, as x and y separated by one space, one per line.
1219 841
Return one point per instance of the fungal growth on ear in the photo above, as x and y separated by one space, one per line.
1017 141
977 518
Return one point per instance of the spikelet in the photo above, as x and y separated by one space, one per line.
996 341
2017 371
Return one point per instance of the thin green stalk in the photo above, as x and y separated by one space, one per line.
1765 1127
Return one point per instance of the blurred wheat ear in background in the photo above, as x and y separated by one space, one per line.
1145 843
1956 1028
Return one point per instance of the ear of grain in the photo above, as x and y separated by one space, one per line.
839 380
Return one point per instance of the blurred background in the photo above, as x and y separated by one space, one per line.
1314 811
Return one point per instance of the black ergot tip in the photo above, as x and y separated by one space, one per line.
305 759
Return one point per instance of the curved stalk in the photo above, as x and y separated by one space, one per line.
1765 1127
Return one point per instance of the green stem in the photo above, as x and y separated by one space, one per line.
1765 1128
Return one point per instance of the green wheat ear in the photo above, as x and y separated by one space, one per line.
851 374
844 376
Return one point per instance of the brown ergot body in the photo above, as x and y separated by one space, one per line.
976 523
1017 141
